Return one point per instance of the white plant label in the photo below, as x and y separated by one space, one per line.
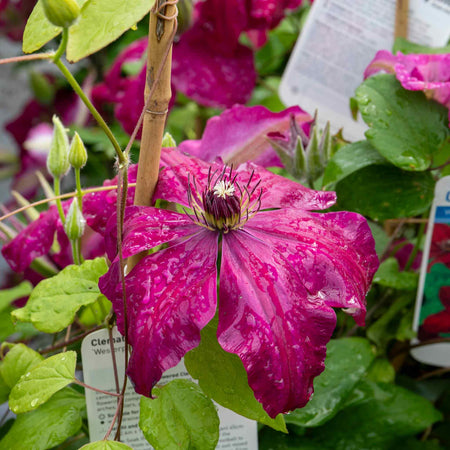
236 432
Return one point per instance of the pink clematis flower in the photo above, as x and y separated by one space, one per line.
427 73
242 134
282 270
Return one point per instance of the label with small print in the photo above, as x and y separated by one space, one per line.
236 432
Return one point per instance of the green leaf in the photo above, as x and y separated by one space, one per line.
381 238
7 296
381 370
55 301
386 192
346 362
4 388
42 381
102 22
405 127
49 425
379 414
389 275
377 417
180 417
96 313
19 360
106 445
388 325
6 325
406 47
222 377
38 30
349 159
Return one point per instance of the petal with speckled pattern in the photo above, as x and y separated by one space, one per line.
278 192
267 319
171 296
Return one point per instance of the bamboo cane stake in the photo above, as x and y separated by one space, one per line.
160 34
159 64
401 19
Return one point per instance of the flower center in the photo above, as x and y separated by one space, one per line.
224 205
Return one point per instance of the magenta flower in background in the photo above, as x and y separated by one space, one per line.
209 64
427 73
240 134
13 17
283 268
31 130
125 91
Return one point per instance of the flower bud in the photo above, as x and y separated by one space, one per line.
61 13
168 140
77 152
58 157
75 222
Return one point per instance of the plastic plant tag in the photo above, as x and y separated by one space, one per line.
432 313
236 432
339 40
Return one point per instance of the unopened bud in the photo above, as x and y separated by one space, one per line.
61 13
75 222
58 157
168 141
77 152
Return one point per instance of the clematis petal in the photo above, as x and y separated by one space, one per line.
278 191
239 135
171 296
428 73
211 77
37 239
416 72
105 201
384 61
145 228
333 253
178 171
268 320
280 277
32 242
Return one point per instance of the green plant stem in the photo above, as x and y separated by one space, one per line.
416 248
57 189
86 386
78 186
77 88
62 45
76 252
